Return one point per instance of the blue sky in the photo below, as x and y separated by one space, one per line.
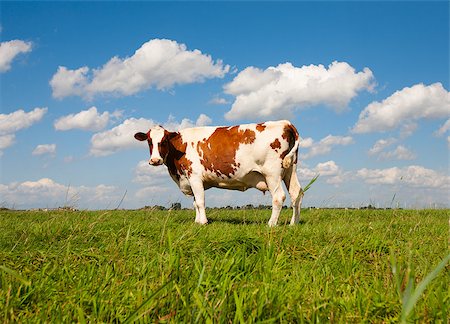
365 83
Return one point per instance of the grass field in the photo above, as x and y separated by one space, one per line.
158 266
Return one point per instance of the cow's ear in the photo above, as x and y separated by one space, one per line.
169 135
140 136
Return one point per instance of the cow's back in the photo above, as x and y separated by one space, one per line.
232 152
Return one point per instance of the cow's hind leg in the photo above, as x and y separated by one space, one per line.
278 197
199 202
197 213
295 191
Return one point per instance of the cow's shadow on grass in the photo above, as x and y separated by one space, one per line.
240 221
236 221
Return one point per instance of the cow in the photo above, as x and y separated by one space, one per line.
238 157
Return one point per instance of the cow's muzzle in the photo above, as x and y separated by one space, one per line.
155 161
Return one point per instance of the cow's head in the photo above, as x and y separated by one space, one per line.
158 142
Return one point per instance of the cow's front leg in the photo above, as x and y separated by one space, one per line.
199 201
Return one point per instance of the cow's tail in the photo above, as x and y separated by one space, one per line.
293 137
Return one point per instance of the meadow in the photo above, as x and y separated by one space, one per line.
158 266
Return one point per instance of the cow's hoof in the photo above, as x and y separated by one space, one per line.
202 222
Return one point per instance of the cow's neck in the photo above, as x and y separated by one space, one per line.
176 161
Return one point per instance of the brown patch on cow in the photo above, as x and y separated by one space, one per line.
290 134
218 152
275 144
260 127
174 150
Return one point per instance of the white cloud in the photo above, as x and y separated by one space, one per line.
404 107
400 153
278 91
152 195
381 144
325 145
414 176
119 137
15 121
9 50
219 101
203 120
306 142
150 175
443 129
328 170
89 120
67 82
159 63
6 141
156 180
122 136
407 129
48 193
44 149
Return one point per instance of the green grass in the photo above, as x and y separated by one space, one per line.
150 266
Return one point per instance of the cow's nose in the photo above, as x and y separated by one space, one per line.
155 161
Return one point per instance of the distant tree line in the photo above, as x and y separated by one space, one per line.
177 206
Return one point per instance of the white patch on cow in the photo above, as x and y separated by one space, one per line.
156 135
256 165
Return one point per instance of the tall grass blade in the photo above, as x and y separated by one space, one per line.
398 281
14 274
135 315
310 183
81 317
126 244
239 315
410 302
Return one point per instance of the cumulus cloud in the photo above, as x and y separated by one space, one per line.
17 120
159 63
399 153
119 137
219 101
67 82
49 193
381 144
306 142
9 50
278 91
443 129
150 175
88 120
328 170
203 120
414 176
122 136
404 107
6 141
155 180
42 149
325 145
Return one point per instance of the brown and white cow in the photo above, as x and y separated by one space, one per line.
240 157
